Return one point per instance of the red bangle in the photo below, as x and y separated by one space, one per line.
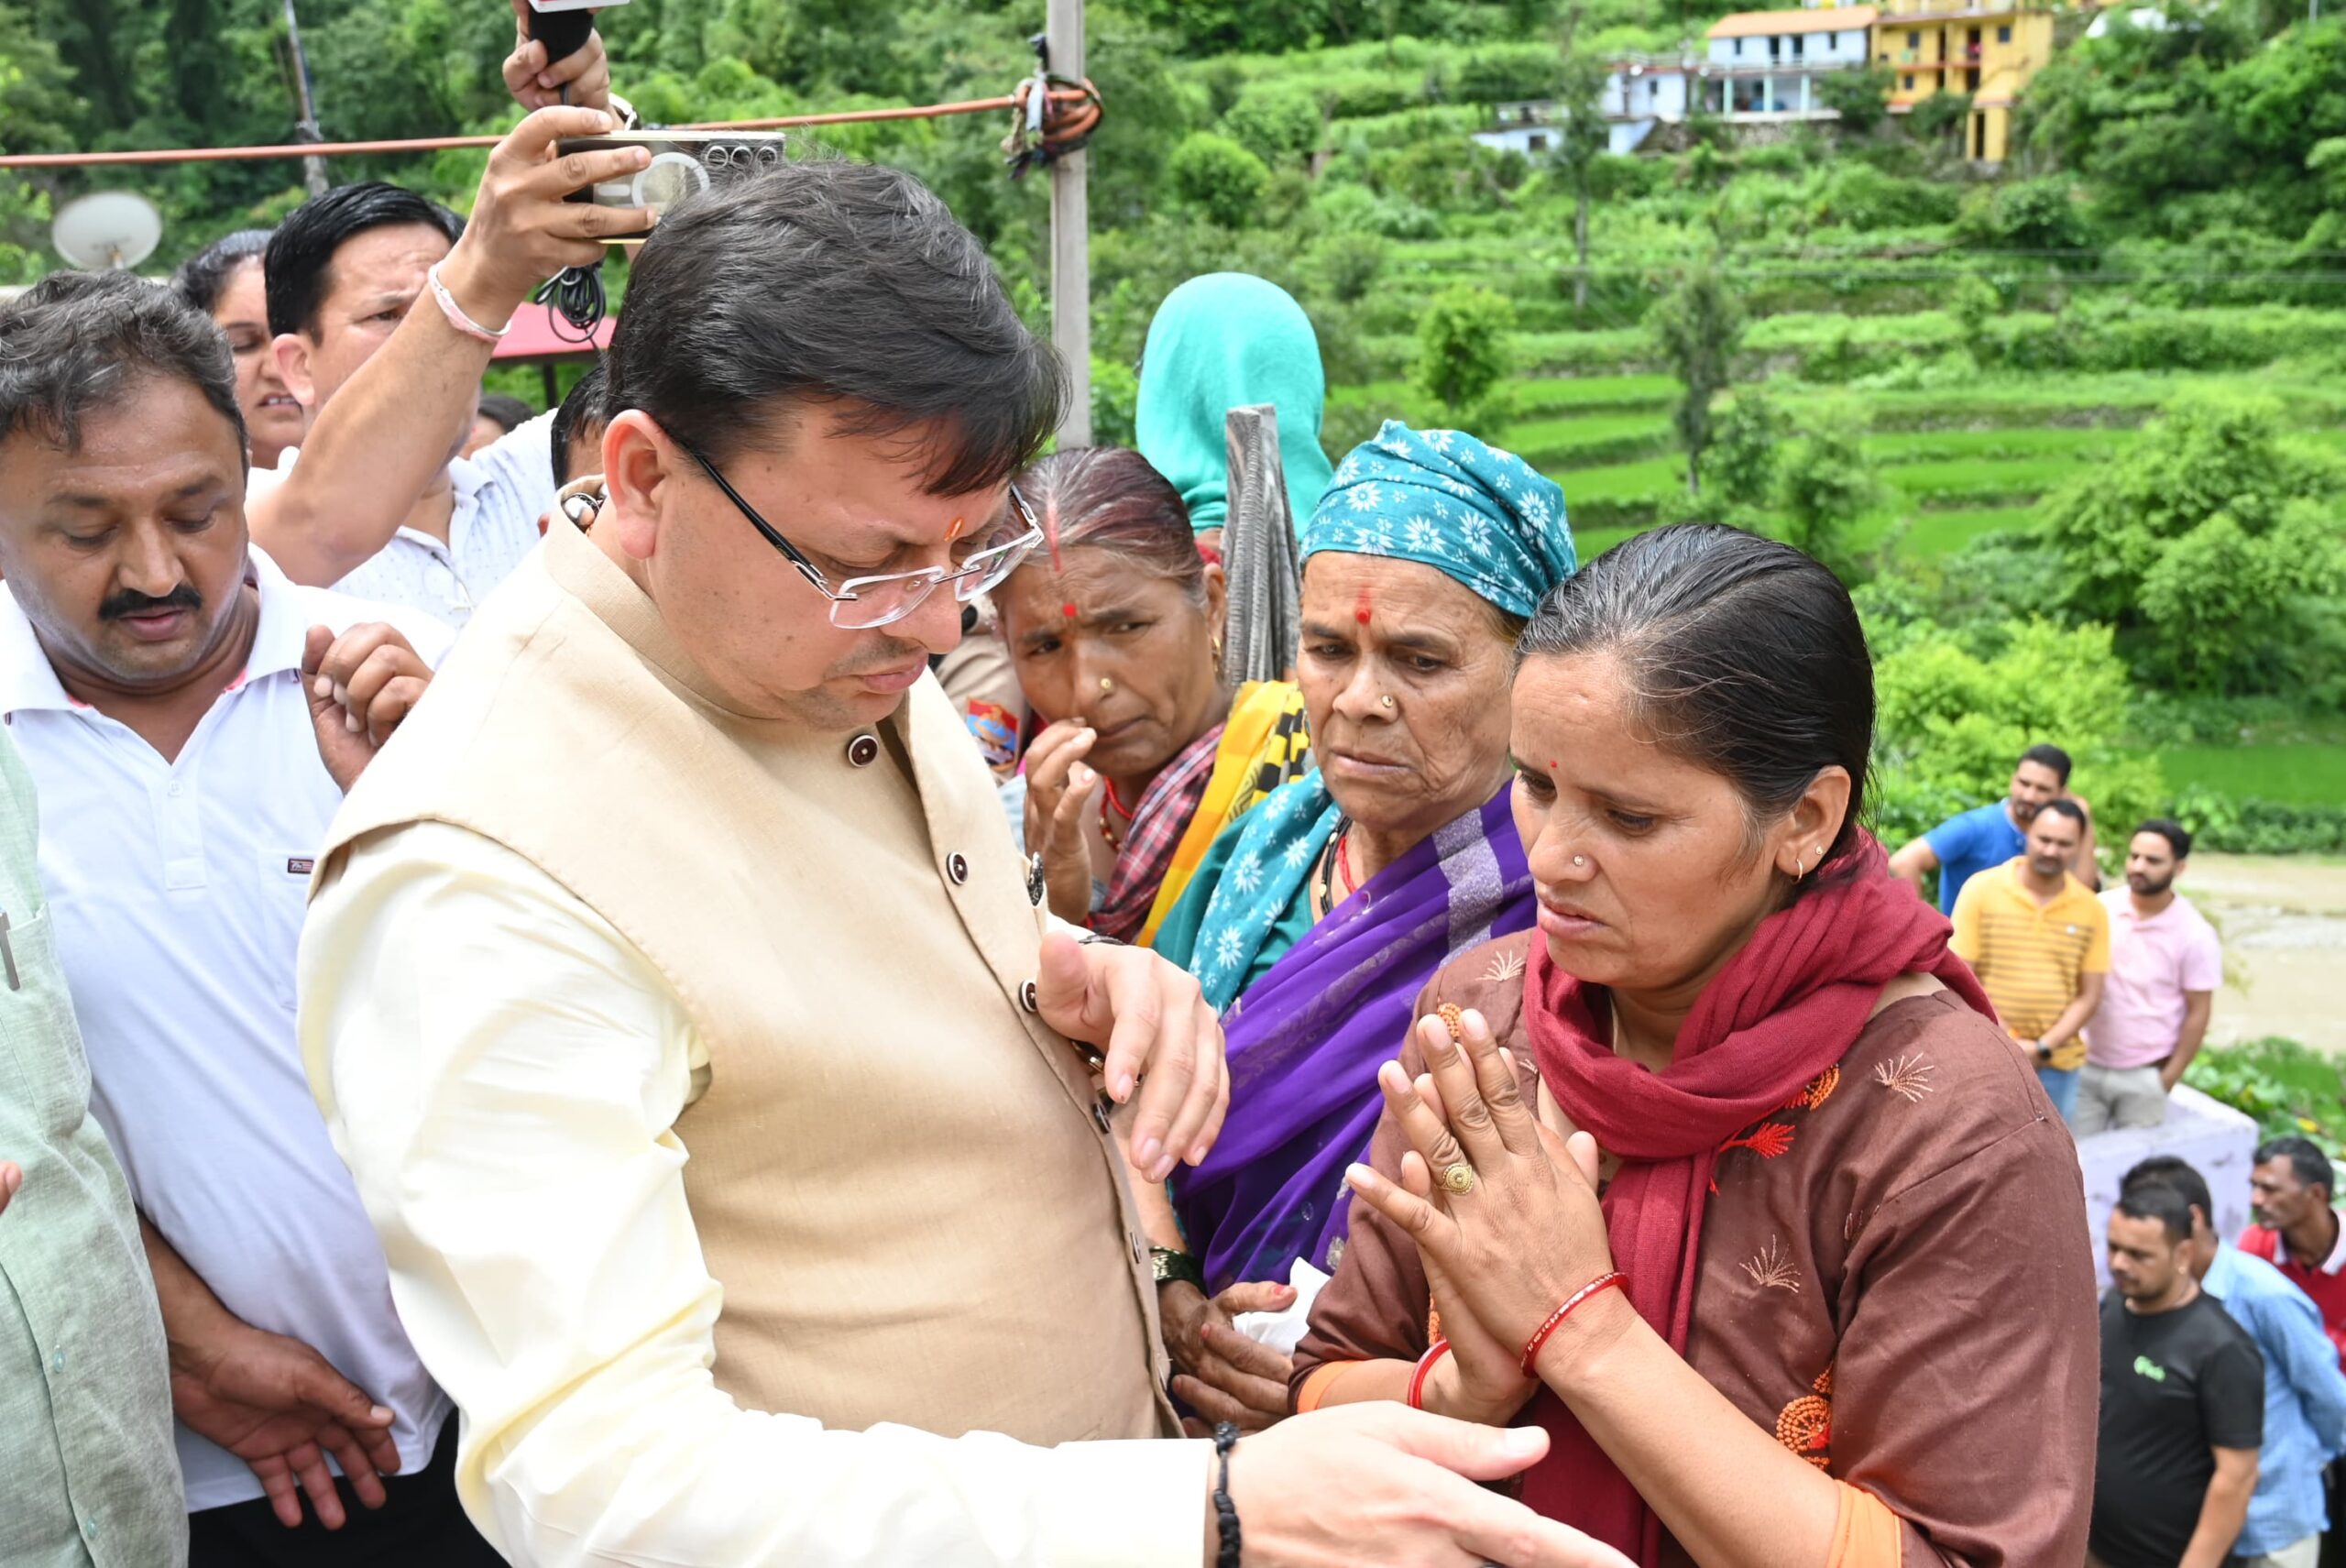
1434 1353
1556 1319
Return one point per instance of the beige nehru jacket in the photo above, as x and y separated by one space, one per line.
685 1065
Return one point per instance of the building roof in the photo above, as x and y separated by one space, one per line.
1760 24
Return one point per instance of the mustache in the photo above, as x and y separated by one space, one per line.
891 654
131 602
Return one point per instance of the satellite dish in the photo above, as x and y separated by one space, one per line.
107 229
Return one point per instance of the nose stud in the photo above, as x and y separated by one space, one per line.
1580 862
1385 701
1106 685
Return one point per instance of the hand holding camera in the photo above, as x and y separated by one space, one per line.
524 228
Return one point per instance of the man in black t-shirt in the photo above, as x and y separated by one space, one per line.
2182 1401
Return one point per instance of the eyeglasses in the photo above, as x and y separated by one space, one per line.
862 603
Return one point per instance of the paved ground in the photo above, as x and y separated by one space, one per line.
2283 921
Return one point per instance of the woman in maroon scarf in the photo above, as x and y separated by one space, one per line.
1725 1175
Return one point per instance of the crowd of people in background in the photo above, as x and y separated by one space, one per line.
564 1005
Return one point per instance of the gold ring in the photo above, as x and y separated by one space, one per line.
1459 1177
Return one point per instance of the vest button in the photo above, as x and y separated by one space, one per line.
863 750
956 866
1027 996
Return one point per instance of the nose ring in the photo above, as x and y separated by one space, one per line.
1580 862
1385 701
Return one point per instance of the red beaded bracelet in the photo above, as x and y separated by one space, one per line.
1434 1353
1556 1319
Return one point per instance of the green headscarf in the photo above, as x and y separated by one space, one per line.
1224 341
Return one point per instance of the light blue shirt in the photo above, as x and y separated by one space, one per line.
2305 1398
1980 839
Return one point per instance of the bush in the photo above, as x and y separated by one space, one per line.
2290 1091
1860 97
1116 402
2023 214
1279 124
1507 72
2252 827
1462 348
1218 177
1349 265
1859 196
1954 709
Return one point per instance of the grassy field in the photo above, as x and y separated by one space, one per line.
2305 775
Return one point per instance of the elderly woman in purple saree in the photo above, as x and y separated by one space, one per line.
1315 919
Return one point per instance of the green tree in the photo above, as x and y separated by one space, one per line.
1860 97
1697 326
1747 443
1939 117
1824 483
1580 99
1279 125
1462 348
2201 543
1218 177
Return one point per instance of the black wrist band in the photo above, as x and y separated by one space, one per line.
1225 1512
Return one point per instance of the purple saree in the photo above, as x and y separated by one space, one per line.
1306 1039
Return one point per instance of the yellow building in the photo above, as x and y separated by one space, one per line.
1988 50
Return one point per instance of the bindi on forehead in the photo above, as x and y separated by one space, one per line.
1067 610
1363 607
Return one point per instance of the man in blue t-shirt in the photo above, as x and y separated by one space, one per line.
1992 834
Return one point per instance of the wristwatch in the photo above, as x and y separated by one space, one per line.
1169 1266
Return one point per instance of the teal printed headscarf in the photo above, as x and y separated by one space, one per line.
1227 340
1459 505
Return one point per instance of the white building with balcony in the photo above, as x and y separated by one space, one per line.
1763 65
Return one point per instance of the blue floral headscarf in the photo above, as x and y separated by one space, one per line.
1459 505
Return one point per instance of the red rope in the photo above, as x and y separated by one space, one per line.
434 144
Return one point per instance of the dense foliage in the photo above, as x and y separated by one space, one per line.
2077 425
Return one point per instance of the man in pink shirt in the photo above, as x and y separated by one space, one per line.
2164 965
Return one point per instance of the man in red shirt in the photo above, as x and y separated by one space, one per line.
2297 1230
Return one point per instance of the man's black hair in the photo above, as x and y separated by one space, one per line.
844 285
509 412
202 276
2304 1156
2178 837
2169 1170
582 405
75 342
2051 757
298 268
2157 1200
2068 808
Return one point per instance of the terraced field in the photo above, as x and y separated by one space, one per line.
1953 463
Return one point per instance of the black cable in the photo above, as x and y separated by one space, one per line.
575 294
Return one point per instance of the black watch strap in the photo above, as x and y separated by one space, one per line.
1168 1264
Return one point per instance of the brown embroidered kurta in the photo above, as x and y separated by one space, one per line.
1896 1279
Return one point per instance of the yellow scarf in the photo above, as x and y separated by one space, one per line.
1264 743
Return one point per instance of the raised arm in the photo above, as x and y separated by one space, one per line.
383 438
1915 862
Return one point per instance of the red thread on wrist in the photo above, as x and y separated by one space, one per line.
1434 1353
1539 1341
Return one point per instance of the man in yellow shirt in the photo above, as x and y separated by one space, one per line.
2040 943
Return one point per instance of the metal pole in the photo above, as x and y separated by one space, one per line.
313 167
1070 237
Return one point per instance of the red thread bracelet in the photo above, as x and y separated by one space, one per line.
1434 1353
1556 1319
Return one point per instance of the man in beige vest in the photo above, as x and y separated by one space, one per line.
702 1053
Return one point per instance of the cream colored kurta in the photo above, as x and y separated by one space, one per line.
681 1061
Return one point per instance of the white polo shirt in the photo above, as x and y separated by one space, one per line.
500 492
177 891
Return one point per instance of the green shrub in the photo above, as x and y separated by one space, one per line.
1859 196
1218 177
1116 402
1462 348
1507 72
2023 214
2252 827
2290 1091
1279 125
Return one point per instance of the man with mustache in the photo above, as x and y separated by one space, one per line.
2165 962
190 719
1972 841
2039 944
700 1047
